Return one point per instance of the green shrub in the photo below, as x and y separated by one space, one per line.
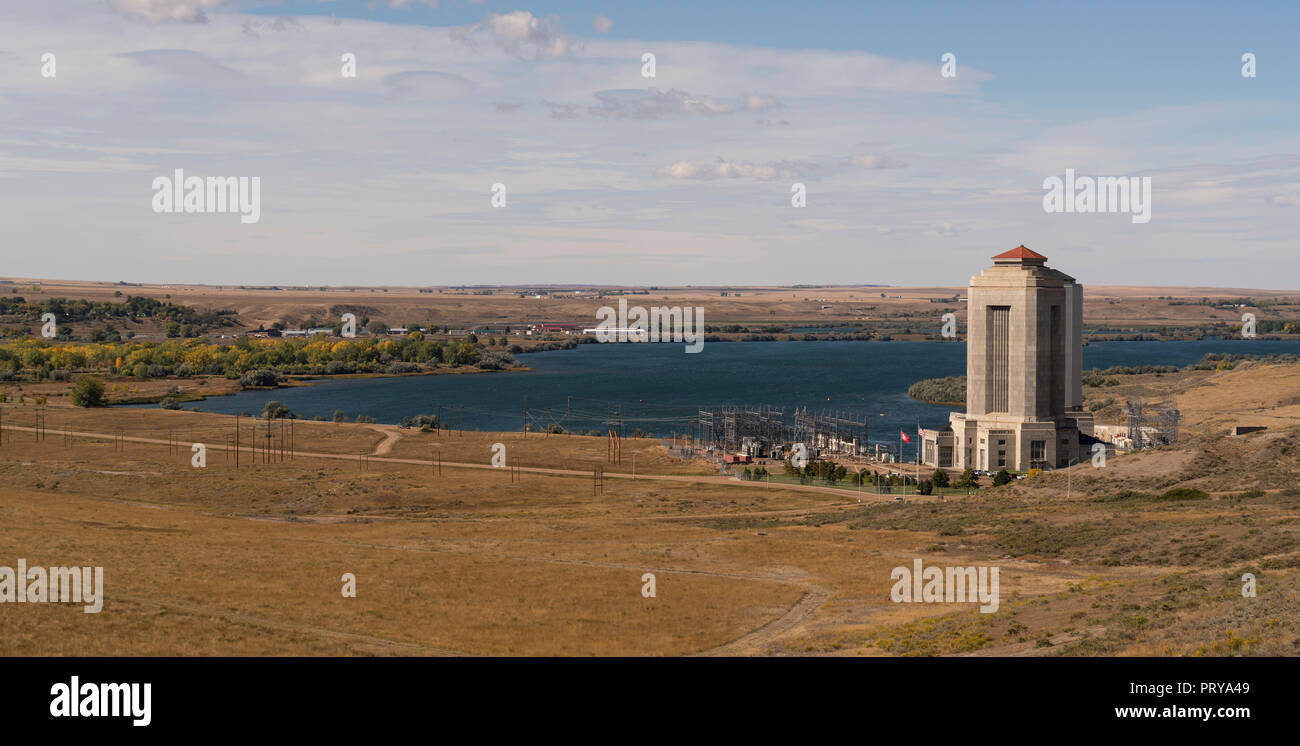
1184 493
949 390
88 392
261 377
274 410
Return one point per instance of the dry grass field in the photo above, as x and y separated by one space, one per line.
248 561
1120 308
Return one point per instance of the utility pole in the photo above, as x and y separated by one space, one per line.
918 461
618 441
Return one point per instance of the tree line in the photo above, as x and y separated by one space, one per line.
67 310
40 359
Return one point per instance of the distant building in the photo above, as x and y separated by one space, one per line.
936 449
1024 351
1120 437
1247 429
556 328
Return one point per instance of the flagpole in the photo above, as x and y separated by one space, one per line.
918 456
900 459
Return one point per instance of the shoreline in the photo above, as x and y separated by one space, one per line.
293 381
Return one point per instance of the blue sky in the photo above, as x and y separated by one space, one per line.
614 178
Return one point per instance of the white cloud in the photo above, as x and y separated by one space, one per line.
280 24
561 111
756 102
186 65
945 229
602 24
654 103
725 169
872 162
519 33
189 11
427 85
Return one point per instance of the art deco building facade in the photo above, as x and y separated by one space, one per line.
1024 348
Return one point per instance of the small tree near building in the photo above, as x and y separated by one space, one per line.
968 480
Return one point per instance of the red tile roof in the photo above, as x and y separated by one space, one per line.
1020 252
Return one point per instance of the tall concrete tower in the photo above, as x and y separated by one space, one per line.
1023 371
